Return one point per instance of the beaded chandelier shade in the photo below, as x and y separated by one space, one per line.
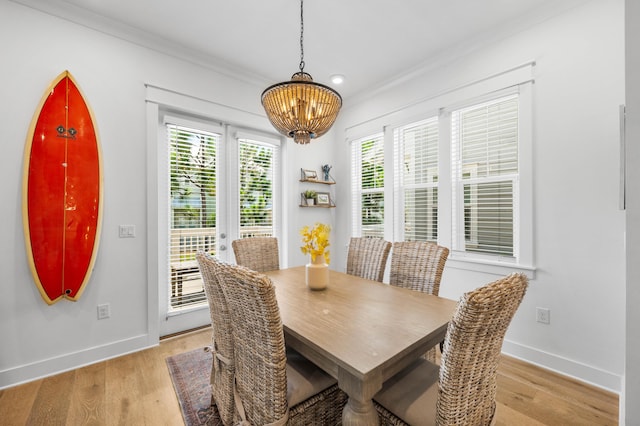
300 108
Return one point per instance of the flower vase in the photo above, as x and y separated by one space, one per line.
317 273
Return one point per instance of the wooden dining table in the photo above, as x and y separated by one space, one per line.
359 331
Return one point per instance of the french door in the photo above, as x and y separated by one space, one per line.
222 184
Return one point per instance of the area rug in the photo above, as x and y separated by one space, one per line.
190 372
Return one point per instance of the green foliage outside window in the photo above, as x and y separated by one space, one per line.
256 185
193 179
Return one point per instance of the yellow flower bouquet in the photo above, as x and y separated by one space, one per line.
316 241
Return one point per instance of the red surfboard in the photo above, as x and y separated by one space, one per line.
62 192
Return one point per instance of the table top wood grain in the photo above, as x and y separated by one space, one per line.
360 331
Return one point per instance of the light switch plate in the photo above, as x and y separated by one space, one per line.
104 311
127 231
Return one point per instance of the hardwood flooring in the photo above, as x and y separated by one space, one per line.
529 395
136 390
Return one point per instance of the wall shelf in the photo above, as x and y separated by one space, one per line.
322 206
310 176
327 204
325 182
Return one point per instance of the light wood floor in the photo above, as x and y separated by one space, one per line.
136 390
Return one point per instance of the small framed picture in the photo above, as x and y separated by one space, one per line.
323 199
308 174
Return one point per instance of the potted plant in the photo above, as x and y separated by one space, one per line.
310 196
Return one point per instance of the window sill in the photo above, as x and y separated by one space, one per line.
490 267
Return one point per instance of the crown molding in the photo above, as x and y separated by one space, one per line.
88 19
449 54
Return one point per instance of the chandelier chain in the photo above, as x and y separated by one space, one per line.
301 36
300 108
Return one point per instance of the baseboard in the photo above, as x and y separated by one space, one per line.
29 372
567 367
48 367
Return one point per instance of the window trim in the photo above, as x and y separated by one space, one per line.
218 132
517 80
276 144
524 261
162 101
356 183
458 230
399 188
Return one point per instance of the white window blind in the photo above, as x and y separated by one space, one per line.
192 205
485 177
416 178
258 168
367 179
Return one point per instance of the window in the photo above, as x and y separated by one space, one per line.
192 181
461 178
257 170
194 176
367 177
485 177
416 177
194 195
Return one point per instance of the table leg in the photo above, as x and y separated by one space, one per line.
359 410
360 413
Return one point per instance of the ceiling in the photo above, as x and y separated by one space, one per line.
370 42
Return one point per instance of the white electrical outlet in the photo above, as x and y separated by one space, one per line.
543 315
104 311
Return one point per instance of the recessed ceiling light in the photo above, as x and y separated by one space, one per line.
337 78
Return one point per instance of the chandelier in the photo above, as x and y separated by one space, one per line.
300 108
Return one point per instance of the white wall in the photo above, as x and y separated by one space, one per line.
579 231
38 339
312 156
578 243
629 408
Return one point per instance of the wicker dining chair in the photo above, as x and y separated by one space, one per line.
222 369
367 257
462 391
273 386
257 253
418 265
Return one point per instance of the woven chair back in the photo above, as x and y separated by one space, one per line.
418 265
468 369
367 257
260 358
223 372
257 253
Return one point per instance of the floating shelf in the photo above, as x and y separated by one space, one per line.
321 206
325 182
310 176
327 204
